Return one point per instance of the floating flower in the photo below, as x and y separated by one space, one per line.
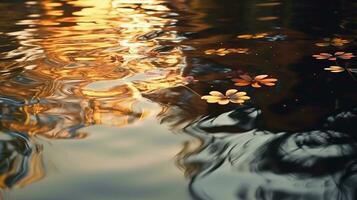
256 82
337 42
253 36
224 51
335 69
343 55
232 95
210 51
340 54
323 56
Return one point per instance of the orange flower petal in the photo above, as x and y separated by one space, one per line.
346 56
246 36
322 56
231 92
244 97
269 84
243 83
256 85
319 57
209 51
268 80
213 100
223 102
259 77
209 97
335 69
339 53
239 94
325 54
322 44
260 35
216 93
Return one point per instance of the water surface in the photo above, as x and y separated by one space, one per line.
102 99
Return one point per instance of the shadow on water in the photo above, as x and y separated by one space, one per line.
21 161
74 64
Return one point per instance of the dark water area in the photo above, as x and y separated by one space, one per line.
178 99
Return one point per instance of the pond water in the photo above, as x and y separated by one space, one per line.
112 99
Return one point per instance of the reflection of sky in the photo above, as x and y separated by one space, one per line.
114 163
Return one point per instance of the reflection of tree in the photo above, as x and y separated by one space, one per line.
20 160
315 164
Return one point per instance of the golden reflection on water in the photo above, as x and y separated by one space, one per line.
78 55
67 52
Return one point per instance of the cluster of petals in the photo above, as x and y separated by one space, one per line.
335 56
256 82
335 69
337 42
232 95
